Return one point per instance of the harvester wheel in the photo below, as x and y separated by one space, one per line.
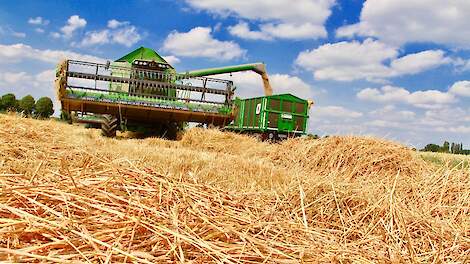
109 126
172 131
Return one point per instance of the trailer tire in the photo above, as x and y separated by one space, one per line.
109 126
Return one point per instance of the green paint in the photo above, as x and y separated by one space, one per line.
286 118
142 53
120 97
256 67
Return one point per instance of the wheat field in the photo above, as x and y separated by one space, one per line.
69 195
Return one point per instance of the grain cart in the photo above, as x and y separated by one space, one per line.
271 117
142 90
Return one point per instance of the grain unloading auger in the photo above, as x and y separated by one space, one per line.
259 68
141 91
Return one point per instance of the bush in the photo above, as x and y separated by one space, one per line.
9 102
26 104
44 107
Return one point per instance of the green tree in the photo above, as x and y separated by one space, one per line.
26 104
432 148
44 107
445 147
9 102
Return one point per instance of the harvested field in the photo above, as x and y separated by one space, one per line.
69 195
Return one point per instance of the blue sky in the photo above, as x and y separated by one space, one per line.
397 69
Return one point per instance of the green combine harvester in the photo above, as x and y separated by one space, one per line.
143 91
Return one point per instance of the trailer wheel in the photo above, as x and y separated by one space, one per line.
109 126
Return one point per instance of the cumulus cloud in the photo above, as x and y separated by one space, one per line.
117 33
243 30
172 59
371 60
461 88
404 21
7 78
335 111
113 23
422 99
277 19
19 34
391 113
250 84
126 36
6 30
447 116
19 52
199 42
74 23
38 21
457 129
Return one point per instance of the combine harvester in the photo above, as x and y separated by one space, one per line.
143 91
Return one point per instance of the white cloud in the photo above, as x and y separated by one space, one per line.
126 36
19 52
118 33
293 31
95 38
242 30
458 129
39 30
448 116
19 34
281 19
385 124
38 21
334 111
422 99
461 88
418 62
74 23
172 60
199 42
404 21
55 35
370 60
250 84
113 23
6 30
8 78
391 113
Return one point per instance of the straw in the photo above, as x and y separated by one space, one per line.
69 195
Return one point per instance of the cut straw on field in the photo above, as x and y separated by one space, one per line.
69 195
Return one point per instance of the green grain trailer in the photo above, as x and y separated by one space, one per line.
273 117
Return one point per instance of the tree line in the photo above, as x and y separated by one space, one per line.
42 108
454 148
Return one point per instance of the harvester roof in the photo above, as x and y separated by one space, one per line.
143 53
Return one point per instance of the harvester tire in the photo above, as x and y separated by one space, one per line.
109 126
172 131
